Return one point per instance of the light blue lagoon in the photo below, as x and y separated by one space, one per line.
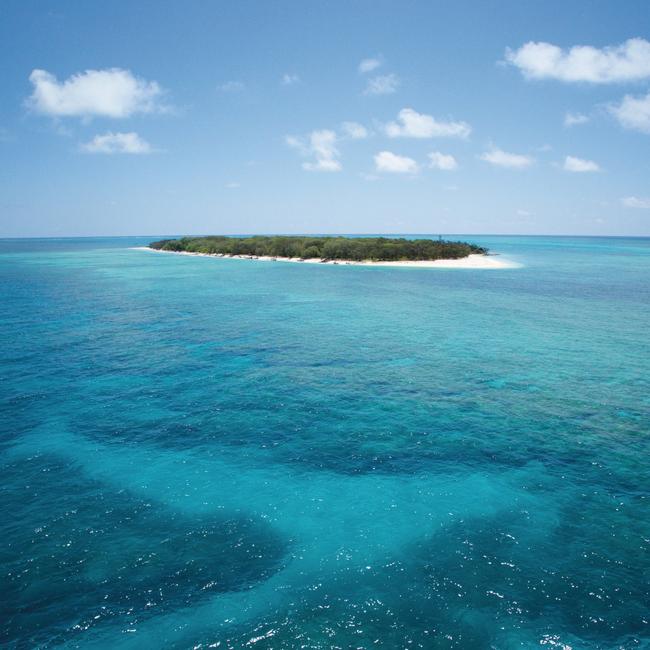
202 452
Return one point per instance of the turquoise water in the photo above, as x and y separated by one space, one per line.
204 453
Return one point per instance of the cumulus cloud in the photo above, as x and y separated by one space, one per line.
442 161
368 65
504 159
290 79
629 61
386 161
354 130
636 202
382 85
633 112
322 146
573 119
117 143
573 164
111 93
411 124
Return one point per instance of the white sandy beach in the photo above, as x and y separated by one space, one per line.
470 262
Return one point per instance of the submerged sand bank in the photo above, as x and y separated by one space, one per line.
474 261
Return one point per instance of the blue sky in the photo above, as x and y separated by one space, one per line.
129 118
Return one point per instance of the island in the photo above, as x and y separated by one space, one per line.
384 251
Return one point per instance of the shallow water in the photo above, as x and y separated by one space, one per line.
201 451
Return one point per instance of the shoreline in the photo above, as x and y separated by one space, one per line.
473 261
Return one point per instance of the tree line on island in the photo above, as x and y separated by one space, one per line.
325 248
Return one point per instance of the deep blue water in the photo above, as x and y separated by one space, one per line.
204 453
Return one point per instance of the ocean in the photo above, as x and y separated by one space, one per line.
217 453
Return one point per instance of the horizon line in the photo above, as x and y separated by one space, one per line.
322 234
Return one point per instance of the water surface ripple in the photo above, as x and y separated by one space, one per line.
225 453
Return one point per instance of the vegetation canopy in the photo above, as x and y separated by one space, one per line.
326 248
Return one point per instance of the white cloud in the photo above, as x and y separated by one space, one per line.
523 213
386 161
117 143
382 85
289 79
368 65
442 161
112 93
573 164
418 125
233 185
629 61
369 177
231 87
636 202
633 113
323 165
354 130
573 119
322 146
296 143
504 159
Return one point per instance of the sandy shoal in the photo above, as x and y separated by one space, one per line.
474 261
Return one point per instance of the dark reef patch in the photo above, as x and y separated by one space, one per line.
515 579
75 554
